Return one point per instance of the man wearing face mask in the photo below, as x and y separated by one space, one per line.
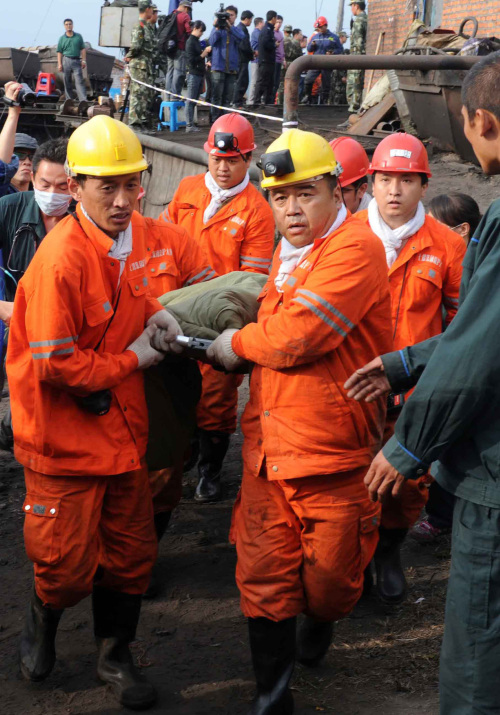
25 219
27 216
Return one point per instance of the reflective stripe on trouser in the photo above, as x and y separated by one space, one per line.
166 487
303 544
404 511
217 409
75 525
470 654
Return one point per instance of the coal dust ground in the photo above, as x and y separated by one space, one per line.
192 640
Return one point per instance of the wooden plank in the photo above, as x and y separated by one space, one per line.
373 116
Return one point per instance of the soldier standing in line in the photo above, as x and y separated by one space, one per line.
293 50
140 58
339 79
356 78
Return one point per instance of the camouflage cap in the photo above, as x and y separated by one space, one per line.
343 33
288 28
144 4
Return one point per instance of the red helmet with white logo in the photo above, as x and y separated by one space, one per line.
352 158
230 135
401 153
321 21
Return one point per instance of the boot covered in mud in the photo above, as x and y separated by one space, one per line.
115 621
162 520
37 647
391 581
213 449
313 641
273 656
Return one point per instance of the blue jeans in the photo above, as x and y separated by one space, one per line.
176 73
222 92
73 66
194 83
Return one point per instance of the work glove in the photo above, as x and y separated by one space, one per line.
163 342
169 329
142 347
221 352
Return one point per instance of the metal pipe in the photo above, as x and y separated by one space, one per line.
360 62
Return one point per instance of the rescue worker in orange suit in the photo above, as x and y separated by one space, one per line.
303 523
174 260
353 180
82 332
424 258
234 224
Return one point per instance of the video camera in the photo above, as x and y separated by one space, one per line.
25 98
222 18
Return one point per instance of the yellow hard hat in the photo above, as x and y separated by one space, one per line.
297 156
104 147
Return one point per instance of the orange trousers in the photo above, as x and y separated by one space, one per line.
217 409
403 512
80 529
303 544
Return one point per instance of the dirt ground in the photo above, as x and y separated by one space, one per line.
192 640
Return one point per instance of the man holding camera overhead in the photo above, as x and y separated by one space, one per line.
224 41
16 149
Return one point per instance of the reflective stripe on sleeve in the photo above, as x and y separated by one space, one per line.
50 343
256 259
321 315
327 305
199 276
53 353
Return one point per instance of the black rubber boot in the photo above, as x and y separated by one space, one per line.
213 449
37 647
391 581
313 641
115 620
273 656
162 520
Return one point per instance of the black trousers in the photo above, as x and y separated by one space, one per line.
265 83
439 507
242 83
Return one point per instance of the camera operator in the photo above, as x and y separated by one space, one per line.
16 150
224 41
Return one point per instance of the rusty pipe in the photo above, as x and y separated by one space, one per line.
360 62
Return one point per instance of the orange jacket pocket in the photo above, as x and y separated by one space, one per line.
41 533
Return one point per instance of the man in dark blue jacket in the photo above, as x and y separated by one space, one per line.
254 64
267 60
246 55
453 416
225 60
322 42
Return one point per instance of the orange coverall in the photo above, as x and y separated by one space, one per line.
88 502
304 526
174 260
424 279
240 237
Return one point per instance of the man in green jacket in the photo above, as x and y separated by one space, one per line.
453 416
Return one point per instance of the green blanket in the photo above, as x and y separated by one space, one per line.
205 310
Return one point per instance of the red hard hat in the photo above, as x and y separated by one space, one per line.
321 21
402 153
352 158
235 136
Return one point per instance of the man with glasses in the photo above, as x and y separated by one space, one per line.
16 150
25 219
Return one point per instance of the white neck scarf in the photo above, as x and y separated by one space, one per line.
219 196
291 257
393 239
122 244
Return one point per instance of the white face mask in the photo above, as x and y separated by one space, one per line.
52 204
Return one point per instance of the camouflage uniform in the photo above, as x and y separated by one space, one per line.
337 95
141 55
293 50
356 78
